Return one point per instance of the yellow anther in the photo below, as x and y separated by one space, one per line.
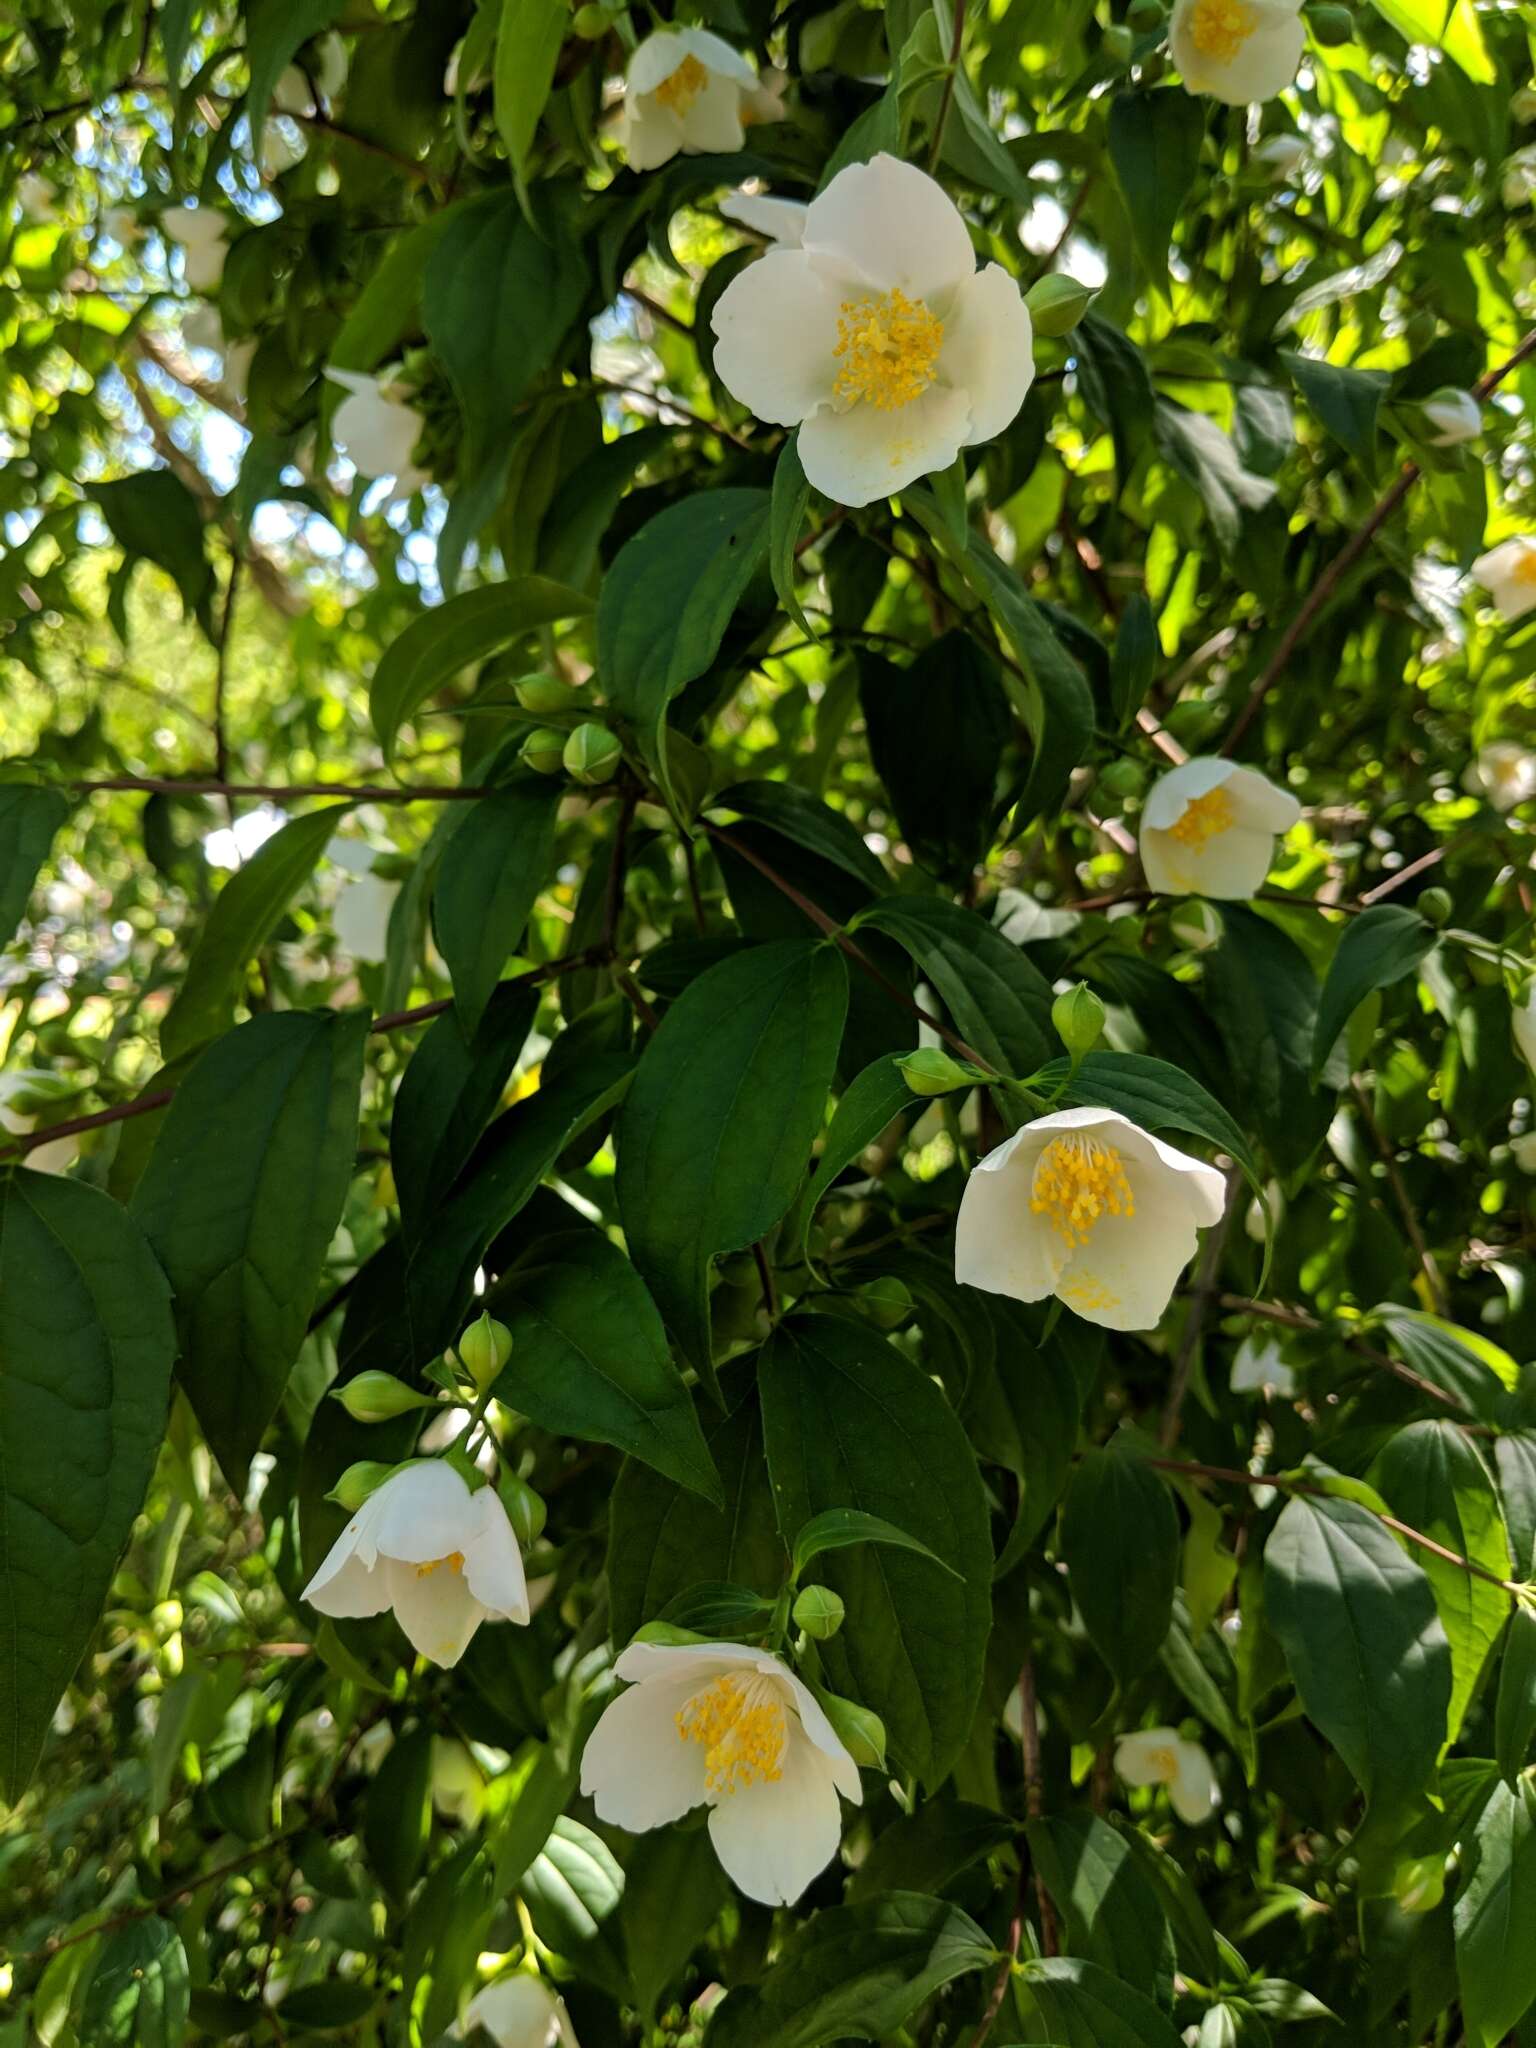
1524 570
454 1561
1078 1180
1219 28
889 350
1203 817
740 1723
682 88
1165 1764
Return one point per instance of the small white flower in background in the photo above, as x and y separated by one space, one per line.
1455 416
282 146
203 328
324 64
1088 1206
443 1558
37 199
778 220
378 428
1504 772
1508 574
684 90
1161 1756
1523 1023
365 903
1523 1150
199 232
519 2012
123 224
1282 154
1208 829
1239 51
1255 1224
877 335
732 1728
1260 1364
1518 182
59 1153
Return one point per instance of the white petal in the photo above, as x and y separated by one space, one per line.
775 332
818 1729
858 456
1523 1022
493 1564
713 121
1143 1757
377 433
1124 1276
1229 867
696 1661
1198 1184
1172 794
781 220
1000 1245
1259 802
517 2012
1192 1792
344 1586
655 60
894 227
435 1607
717 55
420 1514
1264 64
651 134
361 918
775 1836
989 350
636 1768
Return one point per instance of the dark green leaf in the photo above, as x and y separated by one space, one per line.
1465 1363
274 30
1495 1958
527 45
786 515
840 1528
1346 401
29 817
1134 662
1154 145
397 1820
810 823
1079 2005
937 731
1376 949
493 868
152 514
1156 1095
1110 1908
928 1849
999 999
872 1100
573 1889
1120 1540
139 1995
1263 996
673 1891
1515 1711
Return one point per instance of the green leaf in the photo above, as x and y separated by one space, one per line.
1515 1711
1111 1909
244 914
717 1130
1116 387
1454 29
673 1892
850 1423
388 306
1514 1457
939 767
1079 2005
139 1994
811 824
1495 1906
583 507
274 30
1120 1541
1154 145
1235 500
721 1611
855 1972
329 2006
537 1786
573 1889
1377 948
875 132
86 1347
1347 402
397 1818
1480 1373
29 818
873 1099
492 870
1262 993
152 514
786 515
999 999
1134 661
1356 1619
926 1850
1156 1095
590 1358
527 47
840 1528
434 648
1021 1412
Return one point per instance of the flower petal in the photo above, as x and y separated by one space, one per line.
377 433
650 134
893 227
1263 65
517 2012
493 1564
1229 867
713 122
999 1244
818 1729
1141 1757
858 456
775 333
1259 802
1172 794
435 1607
781 220
1124 1276
717 55
1192 1791
636 1768
989 350
420 1514
344 1586
775 1836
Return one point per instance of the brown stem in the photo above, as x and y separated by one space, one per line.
221 680
1298 1319
765 1277
1432 1276
956 40
664 404
280 792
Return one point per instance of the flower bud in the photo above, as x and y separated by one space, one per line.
1118 44
861 1732
1331 26
1123 778
357 1482
485 1348
378 1397
166 1618
1056 303
1452 417
1145 16
544 751
668 1635
544 694
1197 924
819 1612
1419 1884
1434 905
592 754
591 22
1522 106
526 1510
1079 1019
1523 1151
931 1071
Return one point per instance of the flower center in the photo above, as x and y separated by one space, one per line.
1077 1181
1165 1763
682 88
740 1724
1203 817
1525 567
889 349
1221 27
454 1561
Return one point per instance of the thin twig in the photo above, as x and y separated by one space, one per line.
1433 1278
1298 1319
280 792
956 40
664 404
765 1277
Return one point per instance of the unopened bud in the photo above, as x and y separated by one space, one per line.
1145 16
668 1635
1420 1884
1522 106
1331 26
592 754
1079 1019
166 1618
378 1397
819 1612
485 1348
591 22
1123 778
1197 924
544 694
357 1482
544 751
1435 905
1056 303
1118 43
861 1732
931 1071
1452 417
526 1510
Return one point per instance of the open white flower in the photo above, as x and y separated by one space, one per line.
443 1558
1088 1206
1161 1756
519 2012
1523 1023
732 1728
199 232
1209 829
378 427
1282 154
877 335
1504 772
1508 574
1239 51
684 90
1455 416
779 220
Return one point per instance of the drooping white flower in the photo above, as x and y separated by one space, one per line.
1504 772
199 232
282 146
1508 574
779 220
378 427
1259 1364
203 328
1209 829
443 1558
37 199
1523 1023
732 1728
1283 153
1088 1206
1161 1756
1455 416
519 2012
877 335
1239 51
684 91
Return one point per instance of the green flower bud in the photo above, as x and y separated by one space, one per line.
1331 26
819 1612
544 694
591 22
861 1732
544 751
1145 16
1153 67
378 1397
1197 924
1523 105
1056 303
1435 905
1123 778
357 1482
932 1071
1118 44
592 754
485 1348
1420 1883
526 1510
1079 1019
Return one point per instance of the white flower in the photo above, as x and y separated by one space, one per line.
282 146
1455 416
123 224
199 231
1088 1206
519 2012
731 1728
1239 51
1161 1756
203 328
1523 1150
361 918
1518 184
325 62
1523 1022
378 428
1508 574
779 220
1282 154
877 335
1209 828
1504 772
443 1558
684 91
38 200
1260 1363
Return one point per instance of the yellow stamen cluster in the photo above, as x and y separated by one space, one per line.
679 91
889 350
741 1727
1219 28
1525 566
1203 817
454 1561
1078 1180
1165 1764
